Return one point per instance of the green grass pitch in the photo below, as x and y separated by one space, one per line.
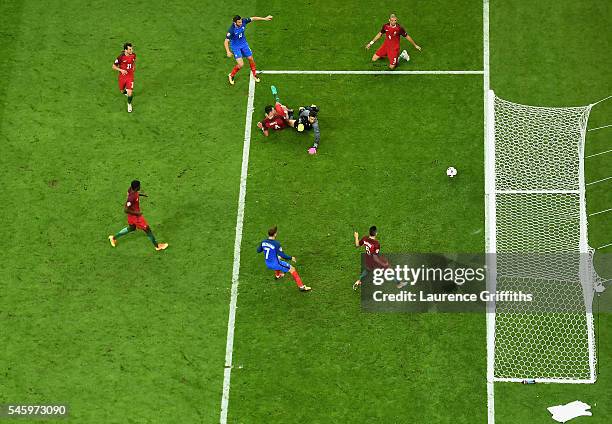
130 335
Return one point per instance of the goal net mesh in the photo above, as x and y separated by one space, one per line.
540 241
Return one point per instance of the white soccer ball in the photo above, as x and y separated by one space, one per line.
451 172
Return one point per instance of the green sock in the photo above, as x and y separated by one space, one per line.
275 93
123 232
364 274
151 237
130 99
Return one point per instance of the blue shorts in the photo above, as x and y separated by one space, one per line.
280 266
242 51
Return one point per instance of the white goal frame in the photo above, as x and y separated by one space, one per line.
586 273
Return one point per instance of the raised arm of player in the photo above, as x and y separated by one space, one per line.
415 45
374 40
356 234
257 18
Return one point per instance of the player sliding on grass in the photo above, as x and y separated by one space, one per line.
236 39
373 259
125 65
273 250
135 218
390 48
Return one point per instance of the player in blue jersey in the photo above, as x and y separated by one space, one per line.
236 40
273 250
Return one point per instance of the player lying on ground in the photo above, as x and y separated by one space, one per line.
276 118
135 218
273 250
306 120
372 249
125 64
390 48
236 40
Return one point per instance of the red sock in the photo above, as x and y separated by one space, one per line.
235 70
297 278
253 68
278 273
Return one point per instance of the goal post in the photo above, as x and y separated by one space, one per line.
537 242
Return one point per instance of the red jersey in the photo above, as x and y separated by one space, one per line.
276 123
393 34
372 247
127 62
133 200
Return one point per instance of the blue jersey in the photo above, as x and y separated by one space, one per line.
236 34
273 250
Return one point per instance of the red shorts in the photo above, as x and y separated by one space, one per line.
126 82
139 221
391 52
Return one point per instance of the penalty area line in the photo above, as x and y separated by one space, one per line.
229 347
295 72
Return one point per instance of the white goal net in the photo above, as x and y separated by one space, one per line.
537 243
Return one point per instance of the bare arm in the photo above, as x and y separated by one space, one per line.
415 45
374 40
116 68
356 239
257 18
261 127
227 50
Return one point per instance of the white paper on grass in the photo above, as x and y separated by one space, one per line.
564 413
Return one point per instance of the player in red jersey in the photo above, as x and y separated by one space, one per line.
391 46
125 65
276 118
373 258
135 218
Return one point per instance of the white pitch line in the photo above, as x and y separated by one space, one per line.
490 315
229 347
600 212
597 154
598 181
289 72
598 128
